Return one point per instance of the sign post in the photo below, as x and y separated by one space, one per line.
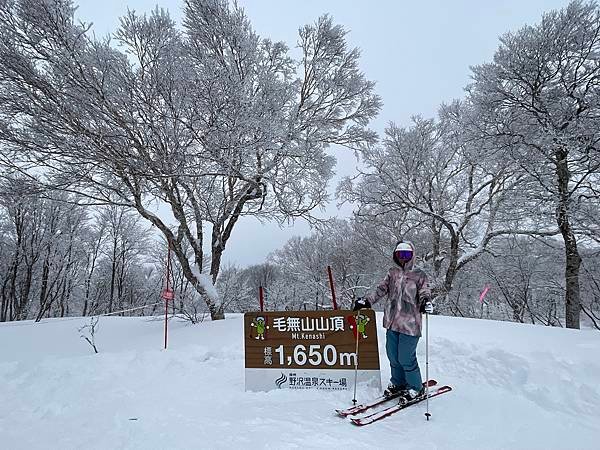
310 350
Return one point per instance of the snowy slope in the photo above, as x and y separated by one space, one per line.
515 387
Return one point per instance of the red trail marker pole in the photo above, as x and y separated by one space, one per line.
332 287
166 320
261 298
168 293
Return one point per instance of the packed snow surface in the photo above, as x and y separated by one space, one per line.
515 387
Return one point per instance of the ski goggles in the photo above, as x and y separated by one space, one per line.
403 255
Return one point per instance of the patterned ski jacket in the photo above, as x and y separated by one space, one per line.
406 290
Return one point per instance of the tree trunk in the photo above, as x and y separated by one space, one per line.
5 300
453 264
215 314
86 297
113 274
23 302
436 248
181 256
121 277
12 297
218 247
573 259
572 295
44 288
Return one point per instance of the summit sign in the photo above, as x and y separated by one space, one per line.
310 349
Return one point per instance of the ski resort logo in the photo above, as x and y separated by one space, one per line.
281 380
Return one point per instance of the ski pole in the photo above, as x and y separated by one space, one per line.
356 359
427 363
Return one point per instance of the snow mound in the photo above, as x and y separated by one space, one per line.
515 387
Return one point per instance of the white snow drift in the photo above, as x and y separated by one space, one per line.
515 387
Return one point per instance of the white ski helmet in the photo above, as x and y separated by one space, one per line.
403 253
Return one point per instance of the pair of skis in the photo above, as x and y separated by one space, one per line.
380 414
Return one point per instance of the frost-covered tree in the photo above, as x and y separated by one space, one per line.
591 289
303 263
434 182
540 101
212 120
125 241
270 278
41 249
58 257
235 291
117 248
523 277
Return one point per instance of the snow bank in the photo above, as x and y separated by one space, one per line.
515 387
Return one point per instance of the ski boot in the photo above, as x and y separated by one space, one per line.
410 395
393 390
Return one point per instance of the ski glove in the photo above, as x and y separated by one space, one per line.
361 303
427 307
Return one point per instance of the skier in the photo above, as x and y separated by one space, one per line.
408 296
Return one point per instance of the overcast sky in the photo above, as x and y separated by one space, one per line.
418 52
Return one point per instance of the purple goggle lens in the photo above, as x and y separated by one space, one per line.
404 255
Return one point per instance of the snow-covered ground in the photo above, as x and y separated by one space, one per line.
515 387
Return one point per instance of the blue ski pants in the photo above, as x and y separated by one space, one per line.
402 352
